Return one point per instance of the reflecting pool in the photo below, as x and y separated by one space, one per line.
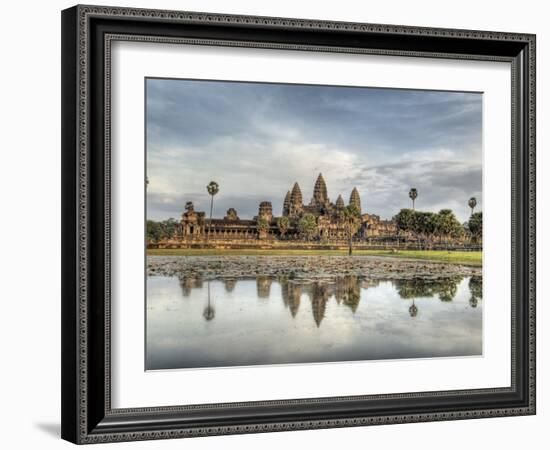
195 323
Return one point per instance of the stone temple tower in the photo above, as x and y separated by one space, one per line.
320 196
296 202
265 211
354 199
286 204
340 202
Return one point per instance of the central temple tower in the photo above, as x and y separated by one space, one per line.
355 200
320 196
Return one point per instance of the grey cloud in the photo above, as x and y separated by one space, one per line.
440 184
160 207
257 139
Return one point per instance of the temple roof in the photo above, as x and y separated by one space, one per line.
296 195
320 190
340 202
354 199
287 198
286 204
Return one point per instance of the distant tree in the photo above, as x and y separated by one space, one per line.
209 312
213 188
476 290
307 226
413 310
413 194
432 224
169 228
158 231
425 225
262 225
475 225
404 220
458 230
352 217
153 231
448 225
447 289
472 203
414 288
283 224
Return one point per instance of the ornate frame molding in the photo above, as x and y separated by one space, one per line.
84 62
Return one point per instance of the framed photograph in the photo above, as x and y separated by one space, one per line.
278 224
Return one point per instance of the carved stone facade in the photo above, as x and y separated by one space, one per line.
330 220
192 222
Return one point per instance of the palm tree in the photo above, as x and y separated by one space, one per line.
404 220
307 226
283 223
472 204
262 226
413 310
209 312
213 188
352 218
475 225
447 225
413 193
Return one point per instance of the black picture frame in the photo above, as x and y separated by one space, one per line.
87 416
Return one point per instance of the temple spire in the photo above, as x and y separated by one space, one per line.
286 204
340 202
320 195
354 199
296 205
296 195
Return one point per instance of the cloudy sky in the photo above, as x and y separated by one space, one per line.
257 139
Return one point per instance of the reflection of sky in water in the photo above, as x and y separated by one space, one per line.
264 321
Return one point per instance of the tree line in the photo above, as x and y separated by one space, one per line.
158 231
425 226
442 226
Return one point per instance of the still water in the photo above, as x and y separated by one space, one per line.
239 322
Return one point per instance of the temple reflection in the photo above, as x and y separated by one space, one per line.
291 293
263 286
240 321
229 285
187 284
345 290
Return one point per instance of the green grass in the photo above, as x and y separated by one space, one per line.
456 257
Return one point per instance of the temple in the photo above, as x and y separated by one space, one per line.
330 225
345 290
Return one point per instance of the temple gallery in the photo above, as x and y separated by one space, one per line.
319 223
